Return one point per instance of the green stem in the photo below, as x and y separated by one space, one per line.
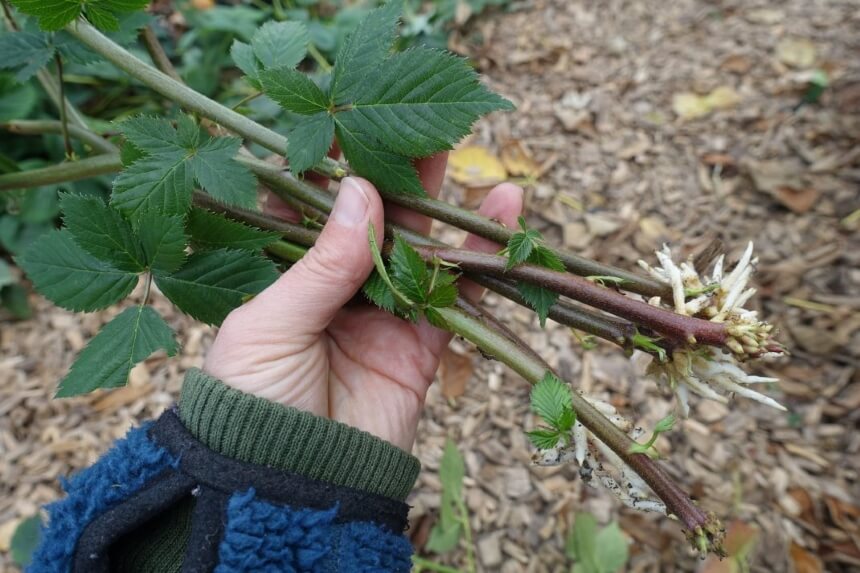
246 99
267 138
185 96
503 349
319 58
64 122
287 251
467 535
69 171
38 127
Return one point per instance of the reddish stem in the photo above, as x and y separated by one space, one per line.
670 324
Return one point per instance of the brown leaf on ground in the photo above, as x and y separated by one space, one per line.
804 561
455 371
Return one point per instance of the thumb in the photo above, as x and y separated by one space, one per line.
307 297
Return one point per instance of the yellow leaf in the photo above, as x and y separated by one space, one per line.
723 97
518 161
202 4
690 106
693 106
796 52
475 166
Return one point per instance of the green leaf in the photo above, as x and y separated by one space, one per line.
52 15
581 541
452 470
448 528
102 232
243 56
213 283
369 158
221 176
544 257
310 141
156 183
16 100
444 539
280 44
210 230
377 290
294 91
163 240
520 245
545 438
24 541
611 552
421 101
567 419
665 424
550 399
363 49
108 358
55 14
444 291
14 299
26 51
538 298
163 179
72 278
6 277
409 271
102 18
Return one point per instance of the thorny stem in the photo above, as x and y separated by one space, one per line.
64 122
187 97
479 327
38 127
157 53
678 327
277 143
564 312
502 348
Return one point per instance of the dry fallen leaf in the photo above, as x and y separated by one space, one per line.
785 181
796 52
455 370
475 166
7 530
202 4
804 561
693 106
518 161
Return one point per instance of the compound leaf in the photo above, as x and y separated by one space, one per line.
213 283
309 141
72 278
409 271
156 183
280 44
106 361
363 50
151 135
294 91
538 298
544 438
243 56
550 399
210 230
422 101
379 293
163 239
369 158
52 15
102 232
25 50
220 175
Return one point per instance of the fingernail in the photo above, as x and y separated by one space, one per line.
351 205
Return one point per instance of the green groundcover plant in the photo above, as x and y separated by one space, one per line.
181 213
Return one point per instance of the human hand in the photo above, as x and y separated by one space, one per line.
296 343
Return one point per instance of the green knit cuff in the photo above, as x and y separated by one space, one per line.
257 431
